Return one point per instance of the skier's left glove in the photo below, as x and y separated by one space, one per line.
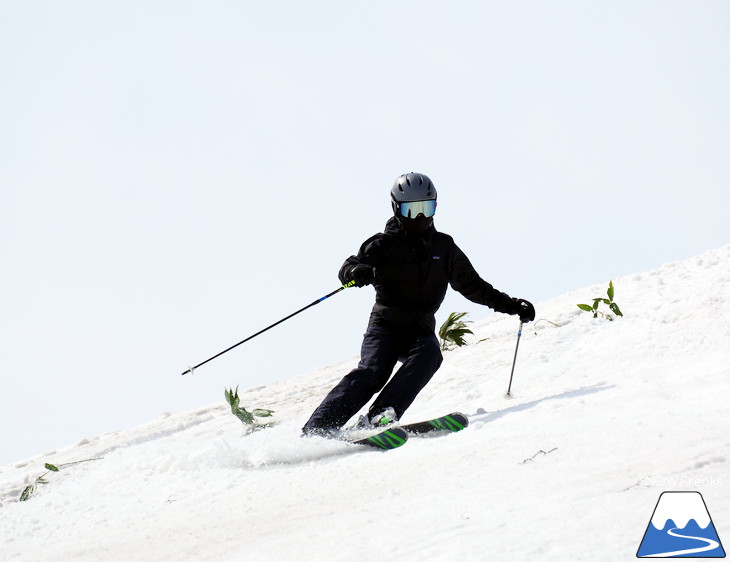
524 310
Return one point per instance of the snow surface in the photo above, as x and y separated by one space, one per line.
604 417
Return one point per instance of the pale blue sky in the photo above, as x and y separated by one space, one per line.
175 176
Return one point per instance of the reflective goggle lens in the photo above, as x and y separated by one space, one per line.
411 209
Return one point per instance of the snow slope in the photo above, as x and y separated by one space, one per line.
604 417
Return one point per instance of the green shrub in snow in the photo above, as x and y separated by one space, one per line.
452 331
601 300
31 489
247 418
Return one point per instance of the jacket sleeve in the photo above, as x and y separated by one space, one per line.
368 255
464 279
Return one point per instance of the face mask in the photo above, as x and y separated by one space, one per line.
416 226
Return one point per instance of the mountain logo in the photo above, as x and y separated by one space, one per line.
681 527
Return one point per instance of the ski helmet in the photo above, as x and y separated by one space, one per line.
413 187
413 197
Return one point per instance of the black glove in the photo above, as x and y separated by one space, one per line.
525 310
361 274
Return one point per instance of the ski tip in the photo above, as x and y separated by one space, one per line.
463 418
455 421
450 423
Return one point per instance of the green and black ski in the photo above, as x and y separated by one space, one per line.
449 423
391 438
396 436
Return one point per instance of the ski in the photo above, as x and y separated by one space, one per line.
396 436
391 438
449 423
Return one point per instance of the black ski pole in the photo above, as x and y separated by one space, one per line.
347 285
514 361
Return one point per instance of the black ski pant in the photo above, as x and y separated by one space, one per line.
382 347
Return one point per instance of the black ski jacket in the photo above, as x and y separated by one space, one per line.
412 273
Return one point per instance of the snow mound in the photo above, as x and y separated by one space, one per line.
604 417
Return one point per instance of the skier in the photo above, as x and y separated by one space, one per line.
410 265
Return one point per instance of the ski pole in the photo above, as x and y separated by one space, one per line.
347 285
514 361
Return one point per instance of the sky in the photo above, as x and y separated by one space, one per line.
176 176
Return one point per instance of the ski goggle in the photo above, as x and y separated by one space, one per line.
411 209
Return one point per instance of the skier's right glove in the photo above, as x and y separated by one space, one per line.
361 274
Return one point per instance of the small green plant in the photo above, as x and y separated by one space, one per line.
247 418
31 489
452 331
607 301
